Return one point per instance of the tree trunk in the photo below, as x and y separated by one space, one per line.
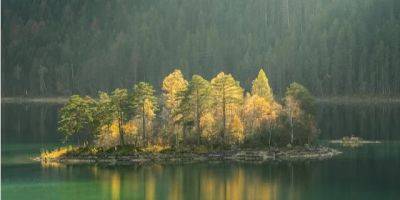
121 131
144 124
198 117
223 115
270 135
291 126
291 131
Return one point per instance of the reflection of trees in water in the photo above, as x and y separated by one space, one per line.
368 121
296 180
204 181
42 121
32 123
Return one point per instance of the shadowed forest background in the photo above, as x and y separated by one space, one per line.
333 47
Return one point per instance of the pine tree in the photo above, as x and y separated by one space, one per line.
173 85
76 115
119 99
144 104
196 101
261 86
227 97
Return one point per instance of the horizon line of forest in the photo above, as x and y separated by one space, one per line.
196 112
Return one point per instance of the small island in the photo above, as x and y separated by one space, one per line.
353 141
191 121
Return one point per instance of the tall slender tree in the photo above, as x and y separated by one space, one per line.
120 102
172 86
196 101
145 104
227 97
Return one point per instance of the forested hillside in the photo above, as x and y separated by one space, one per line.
333 47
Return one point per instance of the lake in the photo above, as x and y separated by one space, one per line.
369 172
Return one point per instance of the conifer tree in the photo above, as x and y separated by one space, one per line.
261 86
145 104
119 99
227 98
76 115
173 85
196 101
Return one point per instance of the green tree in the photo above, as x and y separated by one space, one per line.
77 114
120 106
300 94
261 86
300 109
145 104
227 98
196 101
105 111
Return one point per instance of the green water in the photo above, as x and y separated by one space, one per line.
369 172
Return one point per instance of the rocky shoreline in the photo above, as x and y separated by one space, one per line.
287 154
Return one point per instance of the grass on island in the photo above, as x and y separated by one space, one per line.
118 151
129 150
56 153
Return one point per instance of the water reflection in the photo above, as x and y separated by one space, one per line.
368 121
351 175
199 181
367 172
29 123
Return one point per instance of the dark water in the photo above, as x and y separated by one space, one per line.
369 172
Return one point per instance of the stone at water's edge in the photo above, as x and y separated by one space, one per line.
236 156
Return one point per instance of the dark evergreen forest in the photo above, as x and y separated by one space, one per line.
333 47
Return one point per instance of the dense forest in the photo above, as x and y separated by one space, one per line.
333 47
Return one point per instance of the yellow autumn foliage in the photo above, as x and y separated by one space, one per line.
258 111
109 135
207 125
236 129
172 85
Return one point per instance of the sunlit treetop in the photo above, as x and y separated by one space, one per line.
261 86
172 85
226 89
143 96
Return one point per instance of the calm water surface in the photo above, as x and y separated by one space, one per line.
369 172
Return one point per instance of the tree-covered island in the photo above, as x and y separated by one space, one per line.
191 120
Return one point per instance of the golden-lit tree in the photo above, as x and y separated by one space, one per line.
131 130
109 134
173 85
207 125
261 86
227 98
215 111
236 129
259 113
